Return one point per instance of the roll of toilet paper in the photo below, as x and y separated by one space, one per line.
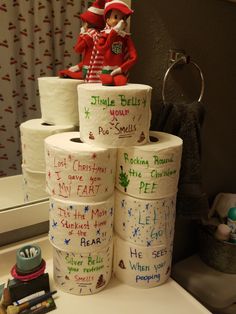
82 274
34 184
142 267
150 171
114 116
144 222
59 100
33 132
77 171
82 227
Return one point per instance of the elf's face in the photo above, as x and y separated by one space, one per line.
115 17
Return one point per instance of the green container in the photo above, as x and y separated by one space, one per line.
26 260
231 222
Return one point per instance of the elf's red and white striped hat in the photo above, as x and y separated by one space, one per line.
94 14
117 5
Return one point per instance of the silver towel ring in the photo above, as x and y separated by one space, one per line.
183 60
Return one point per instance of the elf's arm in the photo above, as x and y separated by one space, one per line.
132 59
105 41
84 41
77 67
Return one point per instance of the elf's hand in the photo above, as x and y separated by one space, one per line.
116 71
120 26
84 28
74 68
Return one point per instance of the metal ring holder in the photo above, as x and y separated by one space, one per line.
178 57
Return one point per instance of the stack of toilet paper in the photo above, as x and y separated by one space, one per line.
114 148
147 174
80 182
33 132
81 170
146 188
59 108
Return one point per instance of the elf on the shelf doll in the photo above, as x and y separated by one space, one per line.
92 23
116 45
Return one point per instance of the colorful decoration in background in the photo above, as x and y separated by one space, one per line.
36 39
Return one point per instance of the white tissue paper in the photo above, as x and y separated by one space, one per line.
144 222
114 116
80 226
34 184
59 100
77 171
150 171
82 273
33 133
141 267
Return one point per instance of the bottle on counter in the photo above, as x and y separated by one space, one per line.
231 222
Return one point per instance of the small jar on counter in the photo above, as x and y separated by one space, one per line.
231 222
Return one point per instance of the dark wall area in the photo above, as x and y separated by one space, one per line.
206 30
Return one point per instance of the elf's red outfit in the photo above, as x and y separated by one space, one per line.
86 41
118 52
84 46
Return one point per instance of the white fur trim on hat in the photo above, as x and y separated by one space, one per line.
116 1
96 10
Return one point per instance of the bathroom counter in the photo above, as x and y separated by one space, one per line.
116 298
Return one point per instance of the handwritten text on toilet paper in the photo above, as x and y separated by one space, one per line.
131 109
81 226
121 101
143 266
147 173
150 265
86 273
148 223
71 176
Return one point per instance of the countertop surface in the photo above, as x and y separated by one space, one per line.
116 298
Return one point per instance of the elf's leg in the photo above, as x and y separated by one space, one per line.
120 80
68 74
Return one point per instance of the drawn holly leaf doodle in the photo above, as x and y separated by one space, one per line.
123 177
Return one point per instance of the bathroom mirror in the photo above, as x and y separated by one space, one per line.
19 82
12 193
29 32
